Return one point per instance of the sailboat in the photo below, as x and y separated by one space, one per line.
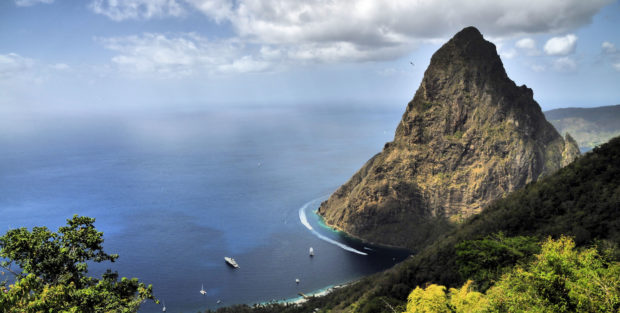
202 290
311 252
164 308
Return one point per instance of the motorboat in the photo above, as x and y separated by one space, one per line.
231 262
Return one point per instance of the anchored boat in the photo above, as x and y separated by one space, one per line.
231 262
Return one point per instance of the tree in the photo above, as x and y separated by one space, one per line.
485 260
434 298
53 268
559 279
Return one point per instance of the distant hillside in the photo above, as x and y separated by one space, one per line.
580 200
588 126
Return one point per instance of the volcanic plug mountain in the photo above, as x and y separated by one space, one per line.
469 136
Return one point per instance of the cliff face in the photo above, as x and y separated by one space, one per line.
469 136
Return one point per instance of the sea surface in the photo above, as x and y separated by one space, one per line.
176 192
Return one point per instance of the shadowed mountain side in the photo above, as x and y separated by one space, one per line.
468 137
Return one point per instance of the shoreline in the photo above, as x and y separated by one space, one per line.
335 228
315 293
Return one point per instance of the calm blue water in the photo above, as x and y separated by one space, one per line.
174 193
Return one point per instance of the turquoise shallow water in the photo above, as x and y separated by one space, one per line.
175 193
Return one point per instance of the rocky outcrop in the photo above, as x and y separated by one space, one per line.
469 136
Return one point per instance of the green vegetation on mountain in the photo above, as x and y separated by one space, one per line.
559 279
469 136
53 267
581 200
589 126
485 260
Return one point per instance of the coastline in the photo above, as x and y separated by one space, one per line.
316 293
335 228
303 297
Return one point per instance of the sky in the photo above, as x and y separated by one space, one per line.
142 55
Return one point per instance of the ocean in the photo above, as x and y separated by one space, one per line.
174 192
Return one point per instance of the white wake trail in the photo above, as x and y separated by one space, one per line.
304 220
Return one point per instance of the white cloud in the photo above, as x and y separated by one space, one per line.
373 22
616 66
219 10
180 55
189 54
136 9
343 52
60 67
561 45
507 54
526 43
13 64
564 64
245 64
608 47
361 30
27 3
538 68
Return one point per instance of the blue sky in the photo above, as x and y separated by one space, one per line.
115 55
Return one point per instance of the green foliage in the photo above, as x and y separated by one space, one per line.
53 272
485 260
434 298
465 299
560 279
430 299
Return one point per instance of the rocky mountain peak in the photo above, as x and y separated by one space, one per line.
469 48
470 135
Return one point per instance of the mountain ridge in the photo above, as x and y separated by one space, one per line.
589 126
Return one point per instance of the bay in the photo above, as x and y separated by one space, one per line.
176 191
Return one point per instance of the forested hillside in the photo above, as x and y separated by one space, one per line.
581 200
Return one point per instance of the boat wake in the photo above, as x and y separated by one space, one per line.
304 220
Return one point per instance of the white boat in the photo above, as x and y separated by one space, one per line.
164 308
231 262
297 280
202 290
311 251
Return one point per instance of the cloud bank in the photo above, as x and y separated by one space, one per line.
268 34
362 25
13 64
136 9
27 3
178 55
